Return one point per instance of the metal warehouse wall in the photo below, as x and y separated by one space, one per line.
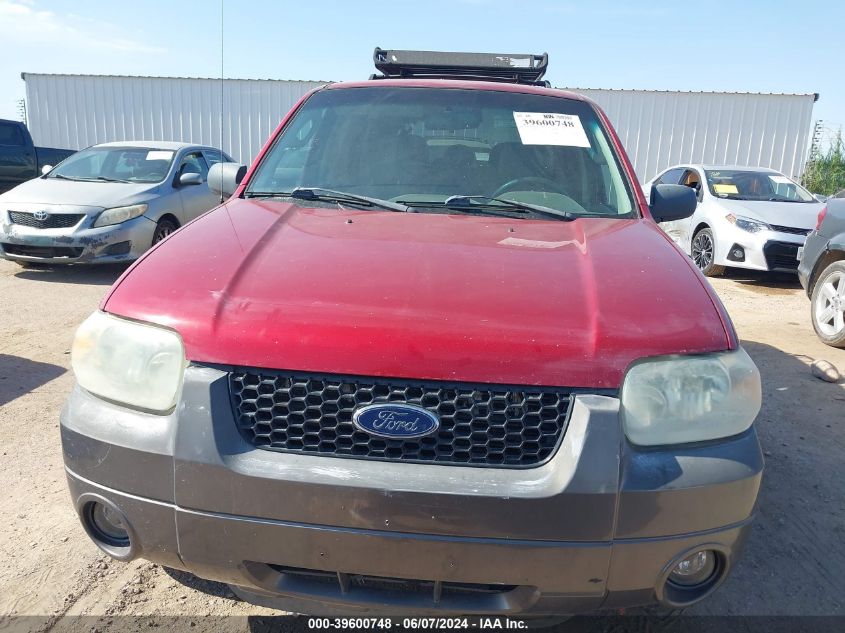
659 129
75 111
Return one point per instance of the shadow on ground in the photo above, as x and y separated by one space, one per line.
208 587
763 281
96 275
19 376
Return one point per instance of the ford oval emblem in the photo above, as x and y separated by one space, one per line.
395 421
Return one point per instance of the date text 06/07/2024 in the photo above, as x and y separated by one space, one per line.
483 623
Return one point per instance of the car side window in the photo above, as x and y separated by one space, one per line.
213 156
692 179
193 163
671 177
10 135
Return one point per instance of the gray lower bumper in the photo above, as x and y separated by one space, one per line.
594 527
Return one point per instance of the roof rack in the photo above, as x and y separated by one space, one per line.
519 69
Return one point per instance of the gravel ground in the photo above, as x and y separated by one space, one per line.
794 563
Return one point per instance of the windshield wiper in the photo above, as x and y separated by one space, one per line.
94 179
107 179
329 195
265 194
779 199
468 202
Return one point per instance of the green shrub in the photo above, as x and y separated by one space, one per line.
825 173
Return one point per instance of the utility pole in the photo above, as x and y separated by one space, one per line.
815 150
815 145
22 110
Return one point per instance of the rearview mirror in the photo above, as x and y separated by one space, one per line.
189 179
224 178
672 202
46 169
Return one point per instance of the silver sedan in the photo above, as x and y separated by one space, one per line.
107 203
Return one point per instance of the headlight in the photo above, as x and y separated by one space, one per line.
679 399
120 214
128 362
747 224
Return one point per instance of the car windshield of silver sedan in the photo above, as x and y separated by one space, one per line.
743 184
116 164
449 151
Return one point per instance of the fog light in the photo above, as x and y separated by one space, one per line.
695 569
737 253
121 248
107 525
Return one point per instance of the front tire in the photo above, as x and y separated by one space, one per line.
828 305
164 227
703 253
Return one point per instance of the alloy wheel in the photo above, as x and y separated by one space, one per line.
830 305
162 231
702 250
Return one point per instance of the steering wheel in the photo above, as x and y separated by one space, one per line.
514 185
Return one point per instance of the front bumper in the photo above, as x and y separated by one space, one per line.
79 244
765 250
597 526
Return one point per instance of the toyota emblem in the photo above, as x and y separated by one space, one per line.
41 215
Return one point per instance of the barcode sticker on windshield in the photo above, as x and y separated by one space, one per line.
159 154
550 128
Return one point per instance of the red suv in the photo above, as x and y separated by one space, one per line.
433 355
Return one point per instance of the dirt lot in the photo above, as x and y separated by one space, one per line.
795 561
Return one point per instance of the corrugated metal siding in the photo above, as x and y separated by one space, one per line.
75 111
660 129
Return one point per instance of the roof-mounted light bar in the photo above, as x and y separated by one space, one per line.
520 69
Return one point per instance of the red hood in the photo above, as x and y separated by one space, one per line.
463 298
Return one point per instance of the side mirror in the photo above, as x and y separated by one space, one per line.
224 178
672 202
46 169
190 179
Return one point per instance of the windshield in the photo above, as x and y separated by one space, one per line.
741 184
421 146
116 164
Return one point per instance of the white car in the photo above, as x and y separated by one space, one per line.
747 217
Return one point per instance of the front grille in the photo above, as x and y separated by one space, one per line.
52 221
480 425
781 255
790 229
44 252
433 589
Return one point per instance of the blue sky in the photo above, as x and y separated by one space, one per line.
755 46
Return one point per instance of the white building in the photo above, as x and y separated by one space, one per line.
657 128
